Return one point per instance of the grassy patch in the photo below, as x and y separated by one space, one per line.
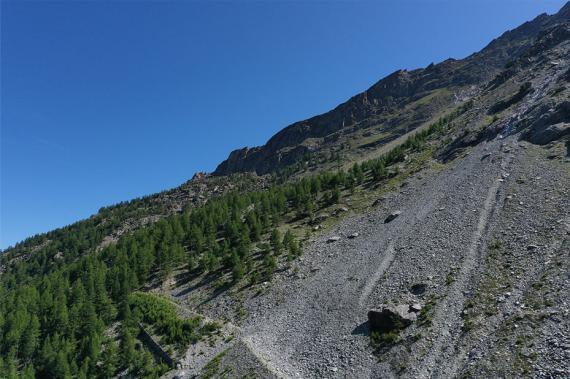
213 367
380 340
161 315
425 317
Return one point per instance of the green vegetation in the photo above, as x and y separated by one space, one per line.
379 339
161 314
212 368
426 313
450 278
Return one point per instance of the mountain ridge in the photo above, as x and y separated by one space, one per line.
394 90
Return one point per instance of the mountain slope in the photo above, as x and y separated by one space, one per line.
273 277
378 109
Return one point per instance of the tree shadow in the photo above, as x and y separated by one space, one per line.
204 281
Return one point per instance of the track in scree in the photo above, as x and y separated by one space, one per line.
309 325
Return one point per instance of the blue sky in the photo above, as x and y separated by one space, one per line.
106 101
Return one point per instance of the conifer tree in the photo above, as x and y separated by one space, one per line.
275 241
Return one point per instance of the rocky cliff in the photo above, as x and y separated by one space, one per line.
380 104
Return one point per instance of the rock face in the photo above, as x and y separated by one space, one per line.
389 318
550 133
380 104
551 122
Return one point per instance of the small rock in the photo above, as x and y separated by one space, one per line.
379 201
333 239
532 247
392 216
353 235
415 308
418 289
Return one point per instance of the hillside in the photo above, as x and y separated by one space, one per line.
442 192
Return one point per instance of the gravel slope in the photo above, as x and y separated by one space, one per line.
312 322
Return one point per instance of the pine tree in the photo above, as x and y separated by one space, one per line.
28 372
110 358
270 265
275 241
128 353
238 270
288 239
30 338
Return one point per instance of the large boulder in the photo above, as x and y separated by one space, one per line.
550 133
547 122
388 318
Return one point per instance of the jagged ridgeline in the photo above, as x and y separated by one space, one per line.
78 314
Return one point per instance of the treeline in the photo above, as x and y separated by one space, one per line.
56 308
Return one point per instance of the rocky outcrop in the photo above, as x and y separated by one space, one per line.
551 122
550 133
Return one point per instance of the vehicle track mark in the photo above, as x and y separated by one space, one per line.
384 265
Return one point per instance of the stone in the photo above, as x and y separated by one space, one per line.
390 318
418 288
392 216
321 217
353 235
379 201
333 239
550 133
415 308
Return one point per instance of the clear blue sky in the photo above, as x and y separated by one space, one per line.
107 101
